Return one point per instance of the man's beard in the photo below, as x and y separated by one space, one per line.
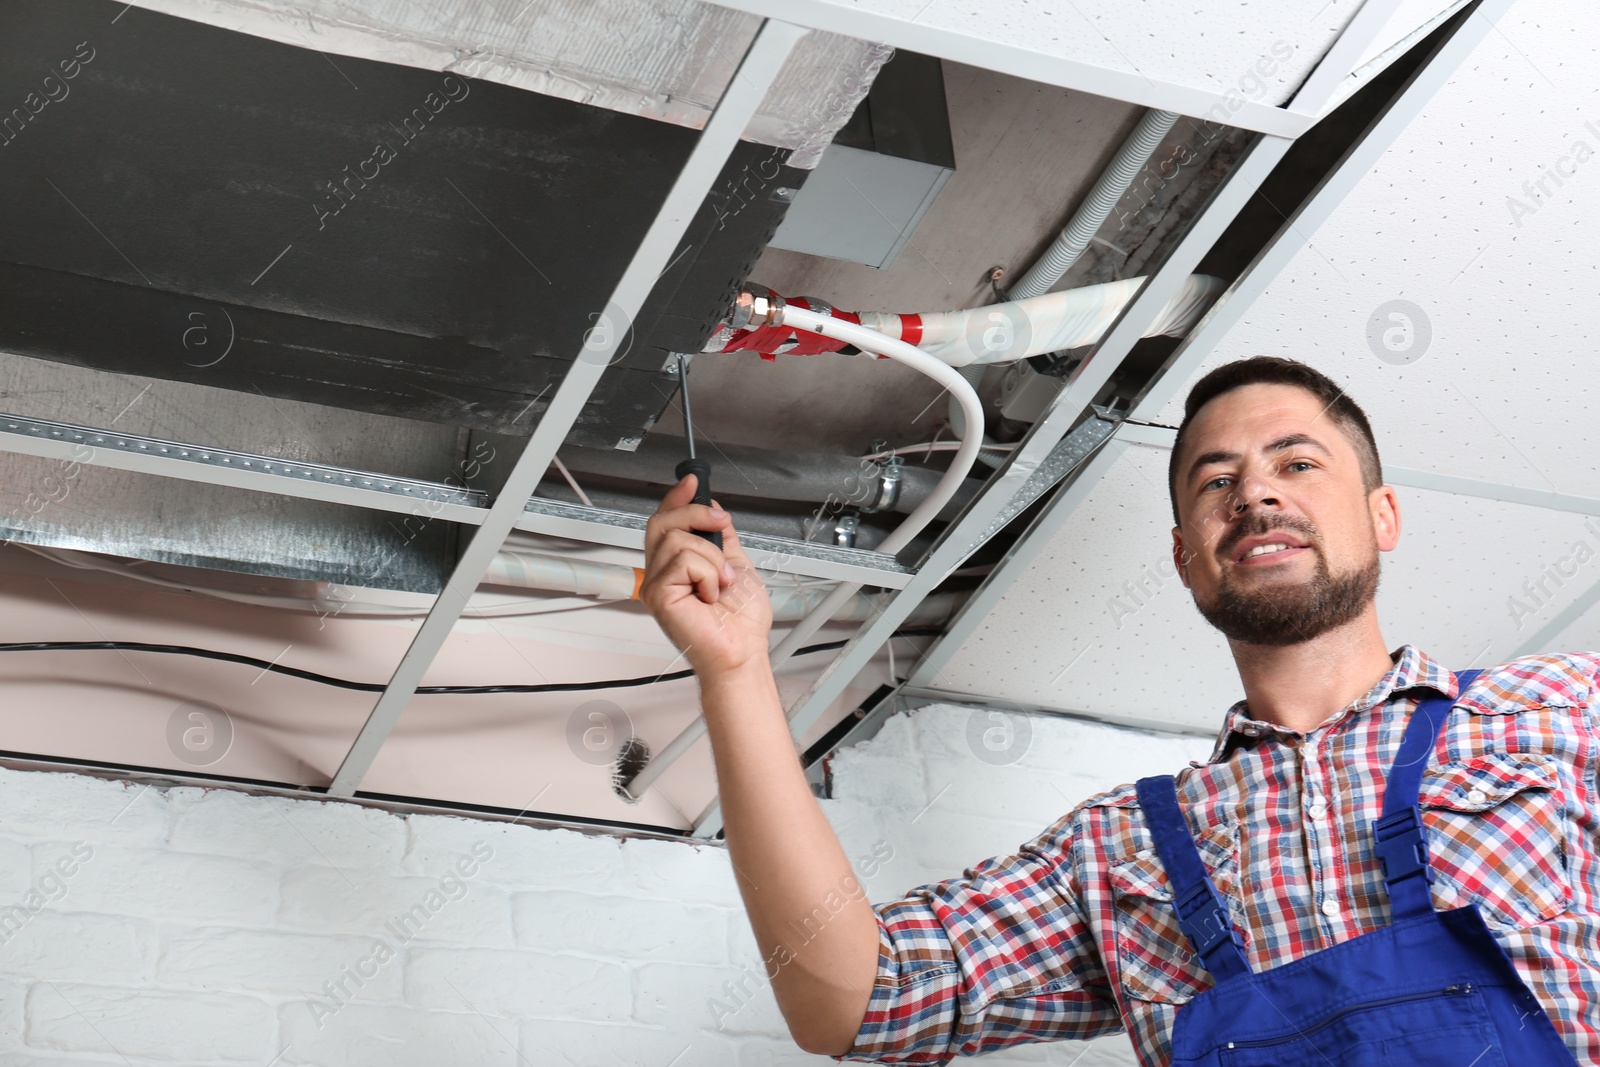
1288 614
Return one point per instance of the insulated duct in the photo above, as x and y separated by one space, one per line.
667 60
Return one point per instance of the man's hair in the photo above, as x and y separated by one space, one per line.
1275 370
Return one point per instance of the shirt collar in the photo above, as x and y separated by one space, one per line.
1412 669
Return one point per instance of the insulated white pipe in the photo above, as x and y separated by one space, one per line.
872 343
1072 318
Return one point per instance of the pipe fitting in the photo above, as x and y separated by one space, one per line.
754 307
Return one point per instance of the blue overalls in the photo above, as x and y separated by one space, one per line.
1431 989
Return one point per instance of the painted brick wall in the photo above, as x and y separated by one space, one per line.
190 926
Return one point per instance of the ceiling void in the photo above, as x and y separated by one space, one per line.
357 234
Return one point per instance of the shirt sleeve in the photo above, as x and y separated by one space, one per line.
1003 956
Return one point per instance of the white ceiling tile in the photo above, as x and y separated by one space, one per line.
1099 623
1504 390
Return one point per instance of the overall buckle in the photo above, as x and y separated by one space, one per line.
1401 847
1203 917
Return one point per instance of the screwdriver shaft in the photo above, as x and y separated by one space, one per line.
683 390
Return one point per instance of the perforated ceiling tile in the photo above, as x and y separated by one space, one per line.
1099 622
1582 634
1489 373
1211 47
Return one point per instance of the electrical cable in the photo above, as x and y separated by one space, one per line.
378 687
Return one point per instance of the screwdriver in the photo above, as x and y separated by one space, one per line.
697 467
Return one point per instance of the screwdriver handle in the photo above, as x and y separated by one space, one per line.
702 492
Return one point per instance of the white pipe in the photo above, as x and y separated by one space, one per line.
1072 318
879 344
989 455
533 570
1091 214
872 343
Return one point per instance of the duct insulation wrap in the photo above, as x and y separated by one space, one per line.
997 333
669 60
530 570
612 581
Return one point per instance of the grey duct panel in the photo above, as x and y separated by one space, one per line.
145 516
882 172
358 234
68 504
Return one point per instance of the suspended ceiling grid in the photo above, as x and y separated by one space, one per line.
1182 57
429 640
1502 395
1025 153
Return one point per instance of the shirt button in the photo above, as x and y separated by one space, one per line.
1318 809
1330 908
1477 796
1309 750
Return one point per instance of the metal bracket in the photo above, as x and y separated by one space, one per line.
890 472
1070 451
844 530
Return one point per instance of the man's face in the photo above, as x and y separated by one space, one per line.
1279 541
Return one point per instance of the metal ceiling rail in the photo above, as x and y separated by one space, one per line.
1074 400
759 68
1133 86
71 443
1289 240
770 554
1069 407
1327 196
1340 60
1163 437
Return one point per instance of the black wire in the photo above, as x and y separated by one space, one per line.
378 687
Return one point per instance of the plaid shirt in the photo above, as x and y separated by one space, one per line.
1075 935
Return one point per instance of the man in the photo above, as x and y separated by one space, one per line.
1280 515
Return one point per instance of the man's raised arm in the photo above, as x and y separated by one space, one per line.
714 606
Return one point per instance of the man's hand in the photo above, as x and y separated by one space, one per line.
776 832
710 602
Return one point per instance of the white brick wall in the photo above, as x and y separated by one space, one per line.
203 926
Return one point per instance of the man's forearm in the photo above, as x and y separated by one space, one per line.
789 863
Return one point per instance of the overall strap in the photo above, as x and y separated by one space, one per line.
1401 847
1202 913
